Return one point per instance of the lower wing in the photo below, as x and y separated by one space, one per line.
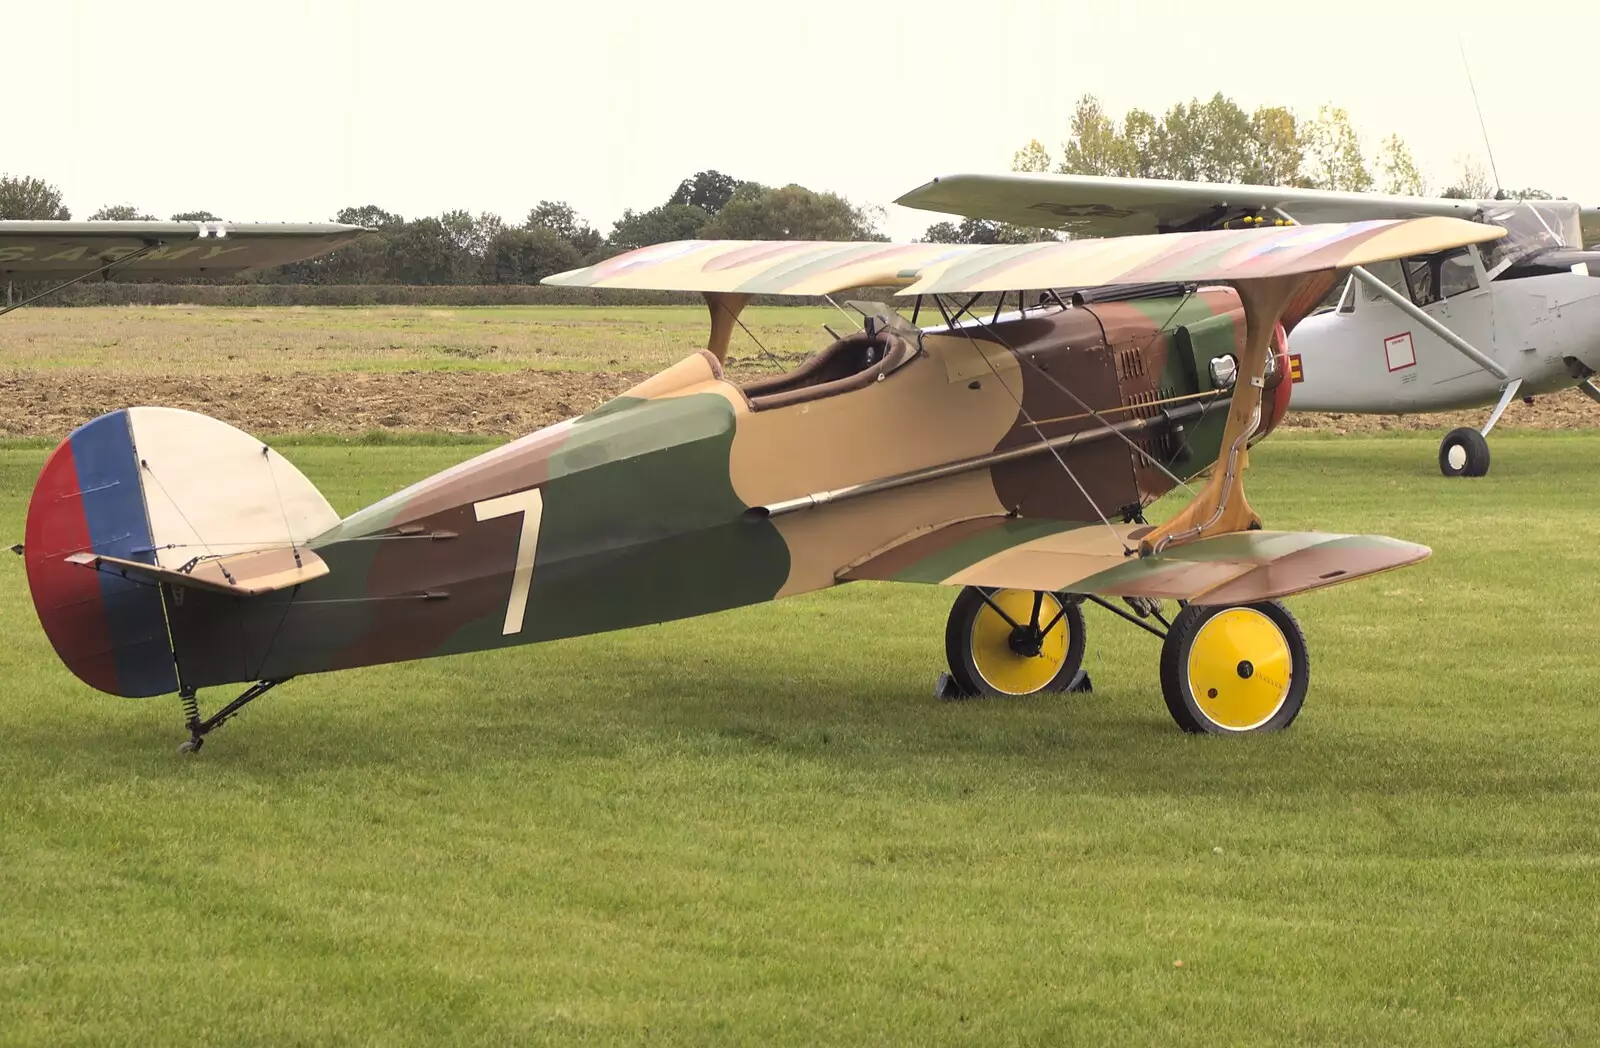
1237 568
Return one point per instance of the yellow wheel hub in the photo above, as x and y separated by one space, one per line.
995 657
1239 667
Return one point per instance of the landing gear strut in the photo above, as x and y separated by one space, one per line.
1464 452
199 729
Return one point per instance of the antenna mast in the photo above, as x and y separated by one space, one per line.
1487 148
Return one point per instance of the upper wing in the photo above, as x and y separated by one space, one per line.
769 267
818 268
173 249
1058 556
1220 254
1089 205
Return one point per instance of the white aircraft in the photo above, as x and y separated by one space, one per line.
1457 329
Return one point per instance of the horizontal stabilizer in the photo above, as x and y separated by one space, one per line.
239 574
1056 556
160 249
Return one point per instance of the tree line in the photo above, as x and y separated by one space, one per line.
459 247
1219 141
1203 141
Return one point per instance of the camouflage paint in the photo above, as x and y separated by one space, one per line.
644 503
1227 569
640 511
823 267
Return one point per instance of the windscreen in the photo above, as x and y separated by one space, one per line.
1530 225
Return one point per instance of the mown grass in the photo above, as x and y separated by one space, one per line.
197 340
760 827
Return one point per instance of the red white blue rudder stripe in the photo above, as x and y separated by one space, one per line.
110 631
163 487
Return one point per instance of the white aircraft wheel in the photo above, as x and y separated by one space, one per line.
1464 453
1015 642
1234 669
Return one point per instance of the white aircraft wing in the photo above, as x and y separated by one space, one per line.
36 250
1111 207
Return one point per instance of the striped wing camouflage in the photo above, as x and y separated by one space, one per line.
817 267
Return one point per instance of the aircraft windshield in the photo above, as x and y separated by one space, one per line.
1530 225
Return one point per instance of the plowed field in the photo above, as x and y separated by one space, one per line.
490 371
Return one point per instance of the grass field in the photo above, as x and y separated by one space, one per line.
201 340
761 828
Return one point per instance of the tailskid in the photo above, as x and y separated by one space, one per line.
199 729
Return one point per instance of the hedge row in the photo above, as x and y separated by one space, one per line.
114 294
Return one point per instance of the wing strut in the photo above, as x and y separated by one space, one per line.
1411 310
150 245
1221 506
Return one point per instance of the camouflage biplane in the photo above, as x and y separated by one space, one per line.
1011 454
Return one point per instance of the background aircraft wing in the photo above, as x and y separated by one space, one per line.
1072 557
59 250
816 267
1092 206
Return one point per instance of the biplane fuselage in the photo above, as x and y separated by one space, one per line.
1011 456
651 507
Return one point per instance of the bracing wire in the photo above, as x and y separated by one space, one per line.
192 529
288 529
1054 453
1092 411
846 313
737 320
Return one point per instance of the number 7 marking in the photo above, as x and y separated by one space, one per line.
530 504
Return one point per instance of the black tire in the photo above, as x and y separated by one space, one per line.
1253 708
1464 453
961 637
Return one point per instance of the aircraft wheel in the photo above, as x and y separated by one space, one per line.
1235 668
1039 649
1464 453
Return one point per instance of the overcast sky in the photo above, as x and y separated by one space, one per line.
292 109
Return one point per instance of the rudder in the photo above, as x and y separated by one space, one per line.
158 486
110 631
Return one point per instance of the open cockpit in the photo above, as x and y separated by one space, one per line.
850 363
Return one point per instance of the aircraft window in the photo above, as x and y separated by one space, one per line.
1531 226
1422 275
1457 274
1389 272
1347 300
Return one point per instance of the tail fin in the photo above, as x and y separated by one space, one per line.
159 487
